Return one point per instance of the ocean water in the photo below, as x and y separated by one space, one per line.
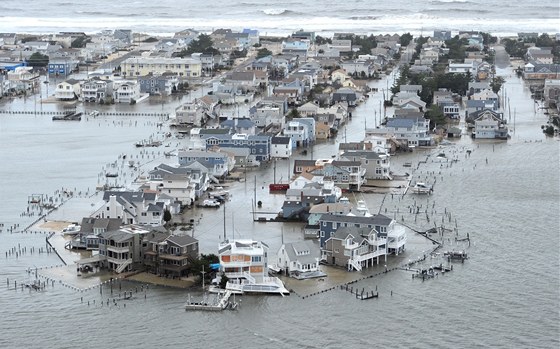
281 17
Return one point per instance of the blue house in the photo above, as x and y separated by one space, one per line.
61 67
259 146
329 223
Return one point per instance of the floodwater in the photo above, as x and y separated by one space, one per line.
505 195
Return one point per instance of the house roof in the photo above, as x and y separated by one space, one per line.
306 252
88 223
375 220
280 140
182 240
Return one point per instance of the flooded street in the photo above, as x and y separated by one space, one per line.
505 295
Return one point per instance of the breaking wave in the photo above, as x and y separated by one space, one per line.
276 11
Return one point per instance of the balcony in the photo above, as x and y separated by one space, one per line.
118 249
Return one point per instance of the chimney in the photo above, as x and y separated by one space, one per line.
113 206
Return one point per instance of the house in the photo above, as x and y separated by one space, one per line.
21 79
473 106
126 91
411 132
161 85
377 166
451 111
301 131
281 147
169 255
413 103
299 258
219 164
362 68
62 66
191 113
259 146
245 263
346 95
123 35
551 93
240 125
355 248
415 89
132 207
97 90
342 207
383 226
348 175
121 250
462 68
91 228
291 90
535 71
298 202
142 66
477 86
176 182
489 125
443 97
67 90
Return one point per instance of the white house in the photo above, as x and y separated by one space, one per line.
67 90
281 147
126 91
299 258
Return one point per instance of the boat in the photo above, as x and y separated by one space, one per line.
421 188
72 229
94 113
68 117
111 174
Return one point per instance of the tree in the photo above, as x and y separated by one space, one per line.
202 44
405 39
223 282
166 216
81 41
293 114
38 60
263 52
496 83
319 40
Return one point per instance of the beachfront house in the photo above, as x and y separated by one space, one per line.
169 255
245 263
299 259
121 250
383 225
355 248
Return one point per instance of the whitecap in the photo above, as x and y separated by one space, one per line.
274 11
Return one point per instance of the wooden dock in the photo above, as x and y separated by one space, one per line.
221 302
361 295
